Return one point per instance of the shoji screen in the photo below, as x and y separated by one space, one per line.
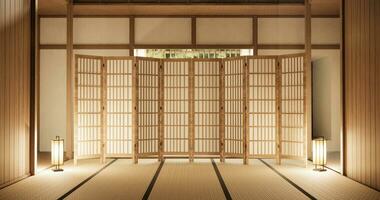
89 97
176 106
148 106
262 106
119 106
293 134
234 107
206 87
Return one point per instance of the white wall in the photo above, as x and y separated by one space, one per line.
224 31
52 96
101 30
163 30
53 31
281 31
327 97
178 31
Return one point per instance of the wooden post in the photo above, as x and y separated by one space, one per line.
161 110
104 109
221 110
131 36
191 110
135 111
194 32
76 110
278 109
307 77
245 110
254 35
69 78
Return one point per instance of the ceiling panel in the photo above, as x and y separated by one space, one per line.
319 7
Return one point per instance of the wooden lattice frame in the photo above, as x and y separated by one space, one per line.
150 81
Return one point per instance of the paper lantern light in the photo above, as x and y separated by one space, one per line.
57 153
319 154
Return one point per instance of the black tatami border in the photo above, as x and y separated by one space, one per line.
289 181
85 181
221 181
153 181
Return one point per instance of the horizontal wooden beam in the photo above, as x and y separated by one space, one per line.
188 46
189 16
102 46
298 46
52 46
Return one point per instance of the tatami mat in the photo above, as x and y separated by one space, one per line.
52 185
324 185
180 179
121 180
255 181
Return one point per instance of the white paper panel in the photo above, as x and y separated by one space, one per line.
234 107
89 134
292 107
148 106
176 106
262 107
281 31
325 30
224 31
163 30
101 30
53 30
119 107
206 89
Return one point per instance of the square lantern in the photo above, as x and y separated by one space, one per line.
319 154
57 154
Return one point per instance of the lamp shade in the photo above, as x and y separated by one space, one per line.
57 151
319 152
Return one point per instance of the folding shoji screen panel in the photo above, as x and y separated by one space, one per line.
293 109
89 102
148 70
176 137
118 106
206 99
237 107
262 101
233 106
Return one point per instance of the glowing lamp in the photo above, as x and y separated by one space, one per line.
319 154
57 154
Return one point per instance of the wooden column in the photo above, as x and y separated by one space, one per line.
75 110
33 89
194 32
245 114
221 110
135 111
255 32
131 36
307 78
278 109
191 110
161 110
69 78
104 110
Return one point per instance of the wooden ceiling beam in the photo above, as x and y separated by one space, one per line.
319 7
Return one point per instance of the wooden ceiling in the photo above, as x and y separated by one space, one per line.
319 8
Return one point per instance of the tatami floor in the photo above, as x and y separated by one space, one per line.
178 179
